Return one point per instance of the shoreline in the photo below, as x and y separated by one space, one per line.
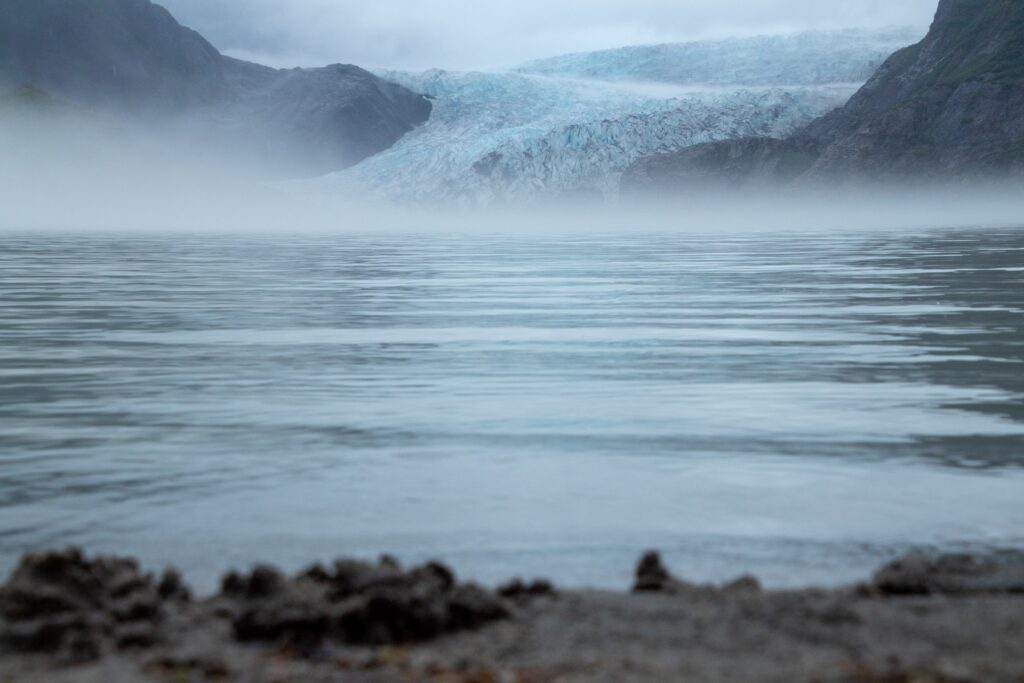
941 619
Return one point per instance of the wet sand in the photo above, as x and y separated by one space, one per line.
66 617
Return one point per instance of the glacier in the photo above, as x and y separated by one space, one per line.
568 127
808 58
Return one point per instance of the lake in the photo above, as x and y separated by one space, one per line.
801 406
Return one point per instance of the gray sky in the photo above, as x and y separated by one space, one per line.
479 33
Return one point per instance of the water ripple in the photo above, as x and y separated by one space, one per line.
159 394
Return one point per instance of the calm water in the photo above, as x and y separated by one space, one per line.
799 406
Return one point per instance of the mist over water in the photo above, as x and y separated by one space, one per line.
797 404
66 168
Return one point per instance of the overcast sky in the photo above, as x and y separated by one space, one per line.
461 34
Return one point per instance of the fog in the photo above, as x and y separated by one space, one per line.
62 173
70 169
453 34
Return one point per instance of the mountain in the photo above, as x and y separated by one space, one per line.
520 135
132 59
950 106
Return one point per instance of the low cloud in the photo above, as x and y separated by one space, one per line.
458 34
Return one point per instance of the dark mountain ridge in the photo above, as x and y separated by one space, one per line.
131 58
949 107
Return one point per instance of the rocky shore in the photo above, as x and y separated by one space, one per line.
67 617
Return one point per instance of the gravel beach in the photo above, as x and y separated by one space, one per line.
68 617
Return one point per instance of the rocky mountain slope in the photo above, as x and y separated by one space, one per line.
951 106
554 129
130 58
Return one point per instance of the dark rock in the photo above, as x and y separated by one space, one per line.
263 582
352 577
438 575
64 603
520 591
390 562
514 589
143 605
360 603
316 573
952 575
653 577
470 607
391 616
50 633
172 587
232 583
651 574
293 621
407 616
